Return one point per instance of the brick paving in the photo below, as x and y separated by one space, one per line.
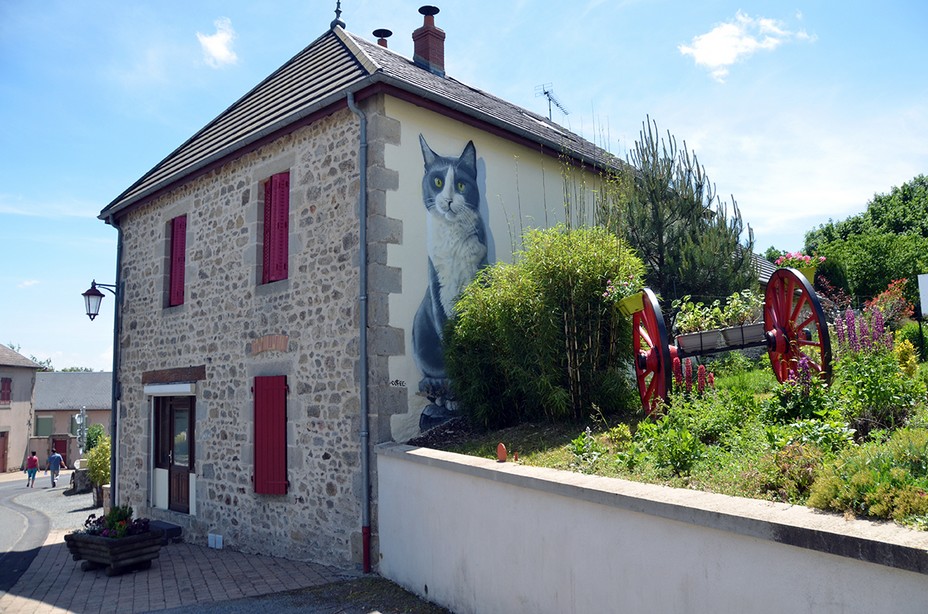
183 575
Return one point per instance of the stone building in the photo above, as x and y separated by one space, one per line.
283 274
17 381
62 399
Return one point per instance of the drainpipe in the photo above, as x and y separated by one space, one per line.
115 396
362 301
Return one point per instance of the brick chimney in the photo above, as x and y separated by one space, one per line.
429 43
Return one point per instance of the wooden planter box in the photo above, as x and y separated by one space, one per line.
117 555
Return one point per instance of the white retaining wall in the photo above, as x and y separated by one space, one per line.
475 535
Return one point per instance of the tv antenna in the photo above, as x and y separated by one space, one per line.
546 91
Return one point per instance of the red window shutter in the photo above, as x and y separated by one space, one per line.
178 259
270 446
268 232
6 390
276 227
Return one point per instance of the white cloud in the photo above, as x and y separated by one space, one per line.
217 48
21 205
734 41
27 283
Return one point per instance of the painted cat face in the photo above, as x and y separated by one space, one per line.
449 186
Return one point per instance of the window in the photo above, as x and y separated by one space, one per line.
44 425
276 228
177 261
271 435
6 390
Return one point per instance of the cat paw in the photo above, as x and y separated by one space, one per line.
432 416
434 388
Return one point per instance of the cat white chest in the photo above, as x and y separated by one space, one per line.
456 253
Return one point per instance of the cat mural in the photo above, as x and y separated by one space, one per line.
456 240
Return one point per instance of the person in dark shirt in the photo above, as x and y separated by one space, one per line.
55 465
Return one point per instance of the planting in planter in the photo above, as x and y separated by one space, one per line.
115 542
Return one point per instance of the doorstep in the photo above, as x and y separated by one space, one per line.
172 532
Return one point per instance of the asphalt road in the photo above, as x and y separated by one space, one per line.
22 532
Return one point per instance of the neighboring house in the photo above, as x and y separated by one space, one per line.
57 404
17 379
284 277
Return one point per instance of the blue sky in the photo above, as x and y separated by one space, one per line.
802 112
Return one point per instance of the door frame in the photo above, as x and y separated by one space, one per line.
170 445
161 395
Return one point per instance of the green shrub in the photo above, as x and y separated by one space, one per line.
797 466
905 355
543 338
586 450
802 396
666 446
910 332
708 417
872 392
98 462
828 435
94 433
886 479
735 363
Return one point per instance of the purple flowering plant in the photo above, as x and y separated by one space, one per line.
118 523
857 335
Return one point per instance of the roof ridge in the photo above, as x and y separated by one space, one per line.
369 64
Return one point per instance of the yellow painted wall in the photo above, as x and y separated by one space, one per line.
520 188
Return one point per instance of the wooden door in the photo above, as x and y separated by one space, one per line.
175 447
4 444
61 447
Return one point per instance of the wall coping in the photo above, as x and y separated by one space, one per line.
879 542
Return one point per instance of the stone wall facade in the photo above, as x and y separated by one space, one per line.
235 328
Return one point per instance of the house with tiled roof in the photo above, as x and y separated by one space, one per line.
17 380
284 276
62 400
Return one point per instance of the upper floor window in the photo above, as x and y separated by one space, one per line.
6 390
44 426
276 228
178 261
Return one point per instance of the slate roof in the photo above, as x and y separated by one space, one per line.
319 77
71 391
763 267
11 358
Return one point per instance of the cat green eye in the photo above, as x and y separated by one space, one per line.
461 186
438 182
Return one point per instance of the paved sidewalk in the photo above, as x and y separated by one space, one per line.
184 576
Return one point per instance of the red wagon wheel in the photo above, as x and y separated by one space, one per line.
652 352
794 325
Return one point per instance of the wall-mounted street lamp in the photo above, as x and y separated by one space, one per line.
93 297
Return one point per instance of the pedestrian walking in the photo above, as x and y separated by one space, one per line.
55 465
32 468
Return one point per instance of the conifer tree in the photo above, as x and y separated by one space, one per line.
689 240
